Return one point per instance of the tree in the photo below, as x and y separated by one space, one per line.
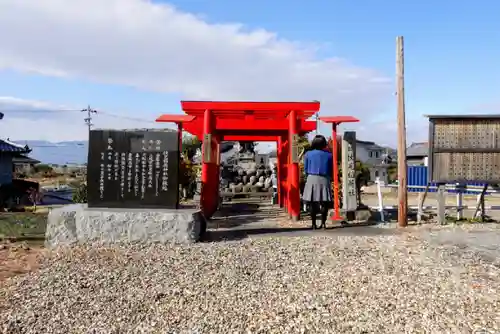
304 146
42 168
339 147
187 173
190 144
247 147
80 193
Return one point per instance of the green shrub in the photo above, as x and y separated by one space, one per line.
80 193
42 168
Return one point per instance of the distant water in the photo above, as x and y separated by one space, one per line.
61 153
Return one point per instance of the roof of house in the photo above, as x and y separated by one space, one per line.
417 150
8 146
22 159
370 145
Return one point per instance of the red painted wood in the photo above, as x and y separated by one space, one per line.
335 151
238 106
208 173
293 173
279 169
283 180
339 119
251 124
248 138
175 118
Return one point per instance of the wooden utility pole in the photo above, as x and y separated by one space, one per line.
402 165
317 123
88 119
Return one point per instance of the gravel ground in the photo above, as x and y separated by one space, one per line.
321 284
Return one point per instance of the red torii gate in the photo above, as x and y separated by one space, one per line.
280 122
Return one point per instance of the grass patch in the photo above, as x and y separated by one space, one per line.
22 225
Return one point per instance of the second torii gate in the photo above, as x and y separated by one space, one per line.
217 121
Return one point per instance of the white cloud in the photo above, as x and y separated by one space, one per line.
38 120
417 130
156 47
15 103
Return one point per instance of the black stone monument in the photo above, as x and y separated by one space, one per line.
133 169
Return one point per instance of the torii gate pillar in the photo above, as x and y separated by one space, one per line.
209 168
281 162
293 169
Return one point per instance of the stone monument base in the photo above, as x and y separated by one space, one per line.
76 223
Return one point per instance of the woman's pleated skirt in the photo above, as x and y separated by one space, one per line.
317 189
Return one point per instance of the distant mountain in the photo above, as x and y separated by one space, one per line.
60 153
74 152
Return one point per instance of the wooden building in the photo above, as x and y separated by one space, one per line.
9 151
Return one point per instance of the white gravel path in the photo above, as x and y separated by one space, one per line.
323 284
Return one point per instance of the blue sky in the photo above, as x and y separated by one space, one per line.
450 54
451 58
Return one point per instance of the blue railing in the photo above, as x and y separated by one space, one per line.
417 177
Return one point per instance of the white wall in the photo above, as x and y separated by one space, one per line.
417 162
362 154
380 172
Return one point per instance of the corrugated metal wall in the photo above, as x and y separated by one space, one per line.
5 168
417 176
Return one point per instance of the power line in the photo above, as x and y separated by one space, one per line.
78 110
88 120
38 110
126 117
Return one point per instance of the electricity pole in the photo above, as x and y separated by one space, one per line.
88 119
317 122
402 164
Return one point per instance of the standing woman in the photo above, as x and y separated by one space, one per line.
318 189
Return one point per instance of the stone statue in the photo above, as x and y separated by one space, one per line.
247 147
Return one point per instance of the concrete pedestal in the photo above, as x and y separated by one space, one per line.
77 223
360 215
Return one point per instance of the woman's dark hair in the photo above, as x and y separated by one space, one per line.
319 143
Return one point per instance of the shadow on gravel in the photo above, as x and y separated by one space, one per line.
239 214
359 229
392 215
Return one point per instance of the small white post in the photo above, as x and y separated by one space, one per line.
460 212
420 209
380 200
477 213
